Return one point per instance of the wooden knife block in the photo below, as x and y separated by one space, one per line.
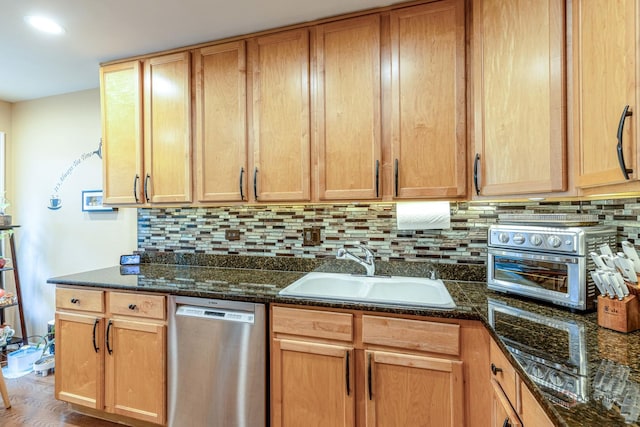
619 315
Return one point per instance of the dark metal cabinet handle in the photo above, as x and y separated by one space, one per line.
395 176
109 349
255 183
369 375
476 163
132 306
506 423
95 326
625 113
348 376
75 300
377 178
135 188
146 187
241 190
495 369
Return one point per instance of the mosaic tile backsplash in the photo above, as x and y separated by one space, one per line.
278 230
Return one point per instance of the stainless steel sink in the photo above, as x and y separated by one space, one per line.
395 290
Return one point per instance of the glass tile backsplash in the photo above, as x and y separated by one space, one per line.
278 230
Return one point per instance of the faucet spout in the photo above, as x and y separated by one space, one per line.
369 260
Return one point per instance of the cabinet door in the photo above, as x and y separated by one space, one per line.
428 100
605 52
519 96
311 384
221 125
531 412
79 359
410 390
279 111
121 107
135 373
502 413
167 136
347 99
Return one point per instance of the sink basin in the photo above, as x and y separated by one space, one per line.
395 290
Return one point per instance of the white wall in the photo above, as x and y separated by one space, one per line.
48 138
5 127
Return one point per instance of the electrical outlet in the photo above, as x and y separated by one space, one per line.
232 234
311 236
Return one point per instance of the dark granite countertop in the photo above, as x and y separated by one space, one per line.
576 350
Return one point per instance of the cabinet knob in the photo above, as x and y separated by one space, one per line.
132 306
74 300
495 369
507 422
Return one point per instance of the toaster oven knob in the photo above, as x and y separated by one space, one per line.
518 239
554 241
503 237
536 240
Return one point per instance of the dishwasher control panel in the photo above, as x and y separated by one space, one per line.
210 313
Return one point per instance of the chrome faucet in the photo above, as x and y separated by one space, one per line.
368 262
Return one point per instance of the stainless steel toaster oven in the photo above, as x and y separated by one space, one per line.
546 261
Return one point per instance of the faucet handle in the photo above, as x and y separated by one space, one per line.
368 252
434 275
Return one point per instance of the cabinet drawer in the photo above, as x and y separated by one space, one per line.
138 305
411 334
312 323
504 373
80 299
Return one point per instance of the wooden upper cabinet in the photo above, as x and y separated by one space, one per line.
279 117
347 113
518 80
167 131
221 125
121 108
428 101
605 62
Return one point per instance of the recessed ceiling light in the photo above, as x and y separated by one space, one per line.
44 24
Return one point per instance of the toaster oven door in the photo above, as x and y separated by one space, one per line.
554 278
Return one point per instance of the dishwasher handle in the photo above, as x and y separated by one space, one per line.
215 314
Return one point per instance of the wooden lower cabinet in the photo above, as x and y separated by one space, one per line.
531 413
343 368
513 404
502 413
79 367
411 390
315 384
134 372
108 362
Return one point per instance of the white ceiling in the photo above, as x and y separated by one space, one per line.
35 65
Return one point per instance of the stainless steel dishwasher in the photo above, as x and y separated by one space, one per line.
216 363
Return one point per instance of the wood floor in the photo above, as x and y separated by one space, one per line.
33 405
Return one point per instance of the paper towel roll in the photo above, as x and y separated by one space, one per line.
423 215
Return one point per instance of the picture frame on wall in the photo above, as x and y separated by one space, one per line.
92 201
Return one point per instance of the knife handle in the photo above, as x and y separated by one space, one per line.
632 254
